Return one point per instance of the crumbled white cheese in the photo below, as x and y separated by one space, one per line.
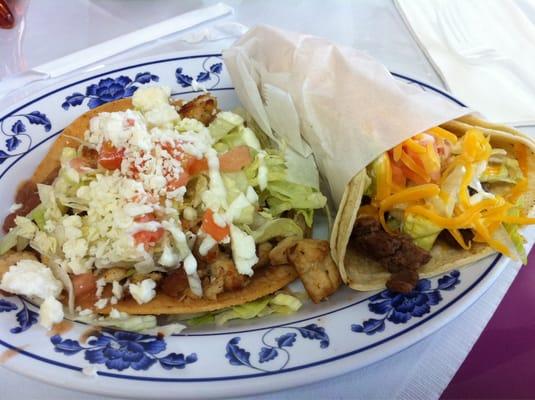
143 292
113 300
117 290
100 304
101 283
162 115
146 98
243 250
85 312
31 278
50 312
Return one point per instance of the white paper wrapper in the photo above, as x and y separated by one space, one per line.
333 101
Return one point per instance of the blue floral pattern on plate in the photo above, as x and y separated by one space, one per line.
400 308
26 317
207 74
238 356
120 350
18 134
109 89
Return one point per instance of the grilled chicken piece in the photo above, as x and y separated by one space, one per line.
279 254
13 257
223 277
263 251
232 279
202 108
114 274
319 274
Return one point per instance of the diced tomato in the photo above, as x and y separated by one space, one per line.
235 160
110 157
85 289
196 166
211 228
181 181
147 238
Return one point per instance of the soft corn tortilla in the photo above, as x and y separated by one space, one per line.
263 282
362 273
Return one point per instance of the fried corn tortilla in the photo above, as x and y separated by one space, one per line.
264 282
363 273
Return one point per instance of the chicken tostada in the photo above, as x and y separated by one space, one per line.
150 206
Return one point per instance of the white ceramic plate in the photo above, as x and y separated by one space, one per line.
349 331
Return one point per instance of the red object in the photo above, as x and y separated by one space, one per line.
210 227
110 157
236 159
148 238
7 21
501 363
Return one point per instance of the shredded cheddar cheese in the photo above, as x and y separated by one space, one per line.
442 133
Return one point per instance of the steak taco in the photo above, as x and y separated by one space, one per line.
442 199
148 206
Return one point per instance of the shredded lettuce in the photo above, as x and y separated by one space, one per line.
280 303
518 241
8 241
279 227
238 137
134 323
284 196
224 122
421 230
508 170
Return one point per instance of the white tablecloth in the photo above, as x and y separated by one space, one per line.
421 371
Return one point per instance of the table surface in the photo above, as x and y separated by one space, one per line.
500 364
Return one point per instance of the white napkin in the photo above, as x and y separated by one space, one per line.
484 50
334 100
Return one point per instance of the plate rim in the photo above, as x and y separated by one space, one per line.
439 317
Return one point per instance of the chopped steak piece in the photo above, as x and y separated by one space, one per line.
202 108
318 272
397 253
402 281
394 252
